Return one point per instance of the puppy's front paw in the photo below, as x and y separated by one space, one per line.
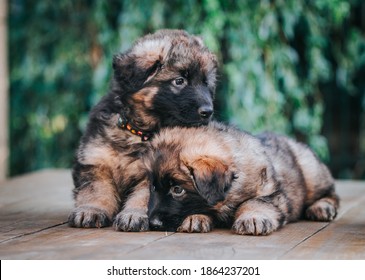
88 217
131 220
255 224
196 223
322 210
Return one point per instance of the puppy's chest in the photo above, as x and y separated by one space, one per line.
128 168
122 160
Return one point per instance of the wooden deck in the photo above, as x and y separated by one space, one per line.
34 210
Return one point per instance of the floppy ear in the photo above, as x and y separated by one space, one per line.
211 177
132 72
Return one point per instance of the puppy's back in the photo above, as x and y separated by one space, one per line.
318 179
305 178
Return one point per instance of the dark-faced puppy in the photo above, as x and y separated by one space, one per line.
220 175
165 79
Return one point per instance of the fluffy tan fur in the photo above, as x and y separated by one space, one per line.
255 184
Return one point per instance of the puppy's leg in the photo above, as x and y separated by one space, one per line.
324 209
134 216
196 223
96 199
257 217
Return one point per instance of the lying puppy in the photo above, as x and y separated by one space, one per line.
220 175
165 79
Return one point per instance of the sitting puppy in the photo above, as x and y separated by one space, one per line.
220 175
165 79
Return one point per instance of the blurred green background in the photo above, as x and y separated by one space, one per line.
291 66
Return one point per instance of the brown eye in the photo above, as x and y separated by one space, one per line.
179 81
177 191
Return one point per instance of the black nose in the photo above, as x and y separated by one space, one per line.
205 112
156 223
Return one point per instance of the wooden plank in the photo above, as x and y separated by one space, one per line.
62 242
35 207
4 86
342 239
34 202
223 244
39 192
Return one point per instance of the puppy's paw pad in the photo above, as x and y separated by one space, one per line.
259 225
88 217
196 223
131 220
321 210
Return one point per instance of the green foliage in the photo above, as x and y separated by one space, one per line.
274 55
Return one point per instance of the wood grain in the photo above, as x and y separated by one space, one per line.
34 210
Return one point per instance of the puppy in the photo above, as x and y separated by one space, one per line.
165 79
218 175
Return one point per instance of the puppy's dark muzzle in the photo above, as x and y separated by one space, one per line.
204 101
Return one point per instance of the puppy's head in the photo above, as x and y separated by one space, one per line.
167 78
180 188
